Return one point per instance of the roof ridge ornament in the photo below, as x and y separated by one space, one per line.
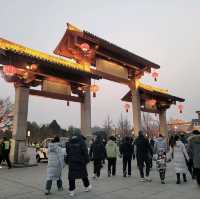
73 28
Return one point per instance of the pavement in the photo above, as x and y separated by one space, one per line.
28 183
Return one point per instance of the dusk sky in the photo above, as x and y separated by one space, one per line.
165 32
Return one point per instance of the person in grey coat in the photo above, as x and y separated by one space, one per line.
55 165
194 153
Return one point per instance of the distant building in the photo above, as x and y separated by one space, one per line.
177 125
196 122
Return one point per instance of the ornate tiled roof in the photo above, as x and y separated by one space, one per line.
41 56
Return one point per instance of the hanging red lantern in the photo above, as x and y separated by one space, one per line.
9 70
127 107
180 108
94 88
85 47
151 102
155 75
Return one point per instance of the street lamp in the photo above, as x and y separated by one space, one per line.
28 135
175 128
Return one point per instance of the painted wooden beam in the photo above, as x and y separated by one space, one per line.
55 96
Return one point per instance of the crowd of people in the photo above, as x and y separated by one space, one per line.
184 154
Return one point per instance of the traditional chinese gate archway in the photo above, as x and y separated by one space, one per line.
69 80
154 100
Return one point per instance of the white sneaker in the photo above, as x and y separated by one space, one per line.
142 180
89 188
148 179
71 193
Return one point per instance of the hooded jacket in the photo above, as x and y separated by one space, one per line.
143 148
111 149
180 156
127 149
160 145
77 156
194 150
97 150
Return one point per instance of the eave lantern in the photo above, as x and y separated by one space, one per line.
151 102
9 70
94 88
127 107
85 47
180 108
155 75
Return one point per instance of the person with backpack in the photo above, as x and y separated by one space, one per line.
97 154
111 154
127 153
5 151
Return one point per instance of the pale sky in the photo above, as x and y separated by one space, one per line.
165 32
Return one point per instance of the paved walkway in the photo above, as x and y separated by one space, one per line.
28 183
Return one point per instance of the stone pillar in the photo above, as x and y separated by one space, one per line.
163 123
86 115
136 110
20 123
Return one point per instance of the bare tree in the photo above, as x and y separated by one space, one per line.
150 125
124 126
108 126
6 114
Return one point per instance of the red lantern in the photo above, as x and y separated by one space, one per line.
126 106
94 88
155 75
9 70
180 108
85 47
151 102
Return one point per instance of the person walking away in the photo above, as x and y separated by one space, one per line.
127 152
104 143
5 151
180 156
55 165
143 154
152 142
190 163
111 153
97 154
160 149
194 153
77 158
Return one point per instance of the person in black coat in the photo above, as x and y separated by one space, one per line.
127 152
152 143
5 147
77 158
97 154
143 154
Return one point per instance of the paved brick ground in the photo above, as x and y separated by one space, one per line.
28 183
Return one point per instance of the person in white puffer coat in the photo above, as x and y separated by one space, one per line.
180 156
55 165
